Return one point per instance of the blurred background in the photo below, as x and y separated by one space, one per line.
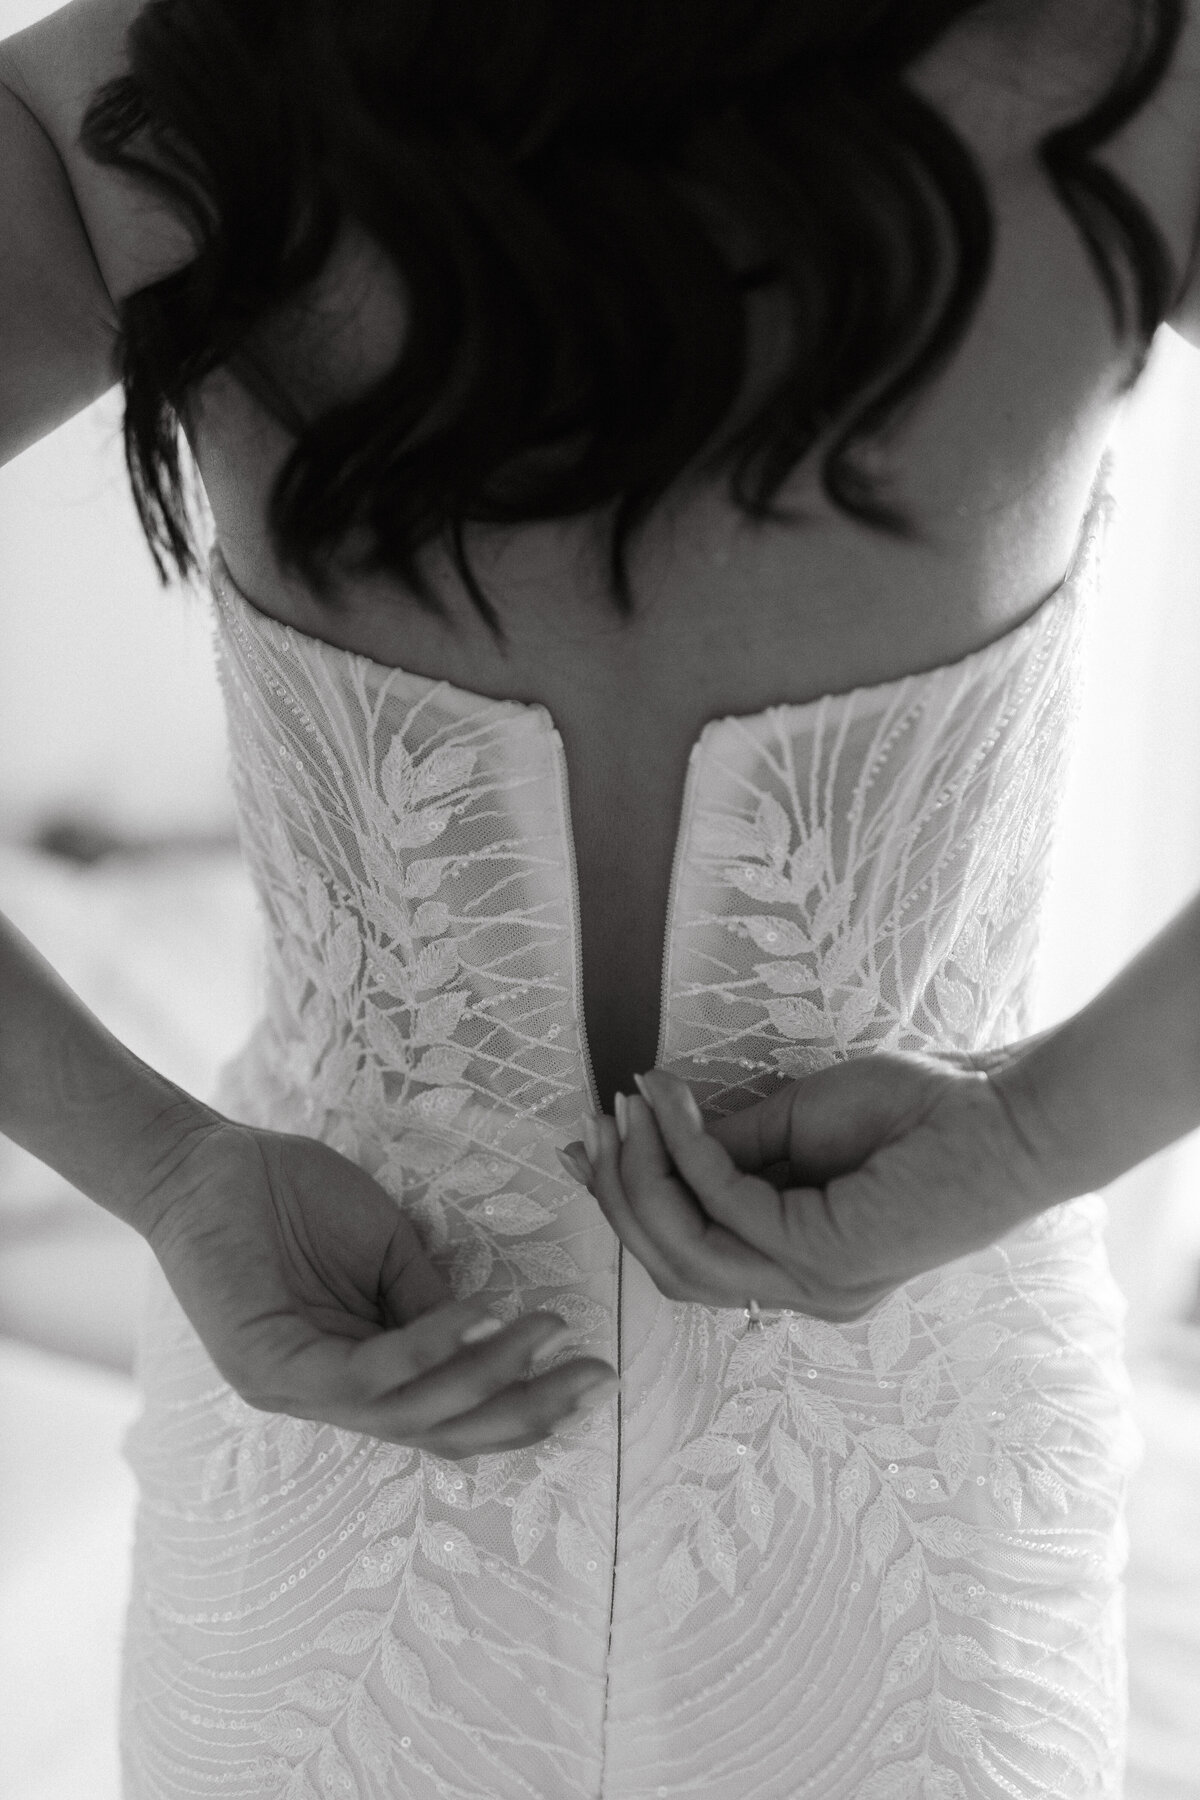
118 858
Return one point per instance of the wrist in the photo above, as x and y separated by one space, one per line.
111 1125
158 1152
1016 1077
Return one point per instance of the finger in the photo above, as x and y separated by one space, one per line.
688 1256
409 1285
758 1136
287 1365
665 1207
725 1192
609 1191
767 1233
473 1376
831 1121
704 1251
522 1413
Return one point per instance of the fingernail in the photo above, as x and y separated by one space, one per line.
691 1111
574 1165
597 1390
550 1346
591 1138
644 1091
482 1328
621 1109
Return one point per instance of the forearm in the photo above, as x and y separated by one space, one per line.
1120 1079
74 1096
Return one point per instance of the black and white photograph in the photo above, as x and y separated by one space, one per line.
600 900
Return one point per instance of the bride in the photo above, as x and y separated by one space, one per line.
633 1320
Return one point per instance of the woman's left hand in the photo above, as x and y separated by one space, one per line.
827 1195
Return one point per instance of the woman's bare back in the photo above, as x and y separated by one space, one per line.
996 462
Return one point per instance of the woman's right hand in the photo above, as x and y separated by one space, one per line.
312 1294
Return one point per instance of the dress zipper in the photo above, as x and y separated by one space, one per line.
586 1058
594 1097
685 810
564 793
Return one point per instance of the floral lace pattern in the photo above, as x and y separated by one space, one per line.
856 1562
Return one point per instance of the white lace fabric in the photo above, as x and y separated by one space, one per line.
857 1563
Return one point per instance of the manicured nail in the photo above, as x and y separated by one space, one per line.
691 1111
573 1163
595 1391
552 1344
621 1109
591 1138
481 1329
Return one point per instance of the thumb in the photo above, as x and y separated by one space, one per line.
829 1122
409 1285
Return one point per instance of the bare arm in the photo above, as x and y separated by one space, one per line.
75 238
57 322
1120 1079
831 1192
77 1098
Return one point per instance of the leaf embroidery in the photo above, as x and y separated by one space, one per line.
889 1330
406 1675
895 1781
793 1465
449 1548
379 1564
853 1484
903 1730
879 1528
370 1735
755 1505
900 1587
821 1343
335 1778
919 1392
942 1783
289 1731
391 1507
677 1584
776 935
910 1658
717 1551
955 1446
948 1536
965 1657
423 1024
957 1727
351 1632
530 1519
432 1610
320 1689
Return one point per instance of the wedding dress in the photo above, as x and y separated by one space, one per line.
852 1562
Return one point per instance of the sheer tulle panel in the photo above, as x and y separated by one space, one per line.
866 874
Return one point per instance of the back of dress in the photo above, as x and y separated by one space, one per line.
858 1561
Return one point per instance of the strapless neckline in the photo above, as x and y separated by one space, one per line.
721 742
1013 640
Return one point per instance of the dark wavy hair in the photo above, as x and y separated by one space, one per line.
535 171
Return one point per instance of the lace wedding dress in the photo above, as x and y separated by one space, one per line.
849 1562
